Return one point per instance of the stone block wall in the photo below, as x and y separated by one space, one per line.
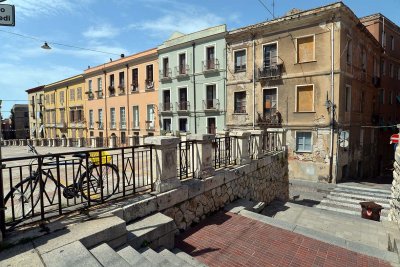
394 213
264 180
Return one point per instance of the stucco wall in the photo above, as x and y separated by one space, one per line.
394 213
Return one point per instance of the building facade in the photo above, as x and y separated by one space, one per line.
36 114
387 104
310 73
122 97
20 121
64 108
192 82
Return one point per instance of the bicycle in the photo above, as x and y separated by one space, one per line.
91 182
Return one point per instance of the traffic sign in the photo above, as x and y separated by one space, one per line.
394 139
7 15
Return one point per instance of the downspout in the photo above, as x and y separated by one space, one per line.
127 100
333 105
105 106
254 84
225 79
194 88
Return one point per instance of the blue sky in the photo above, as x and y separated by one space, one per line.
121 26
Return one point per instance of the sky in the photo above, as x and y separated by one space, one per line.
121 26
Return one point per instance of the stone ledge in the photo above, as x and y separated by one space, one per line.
201 137
162 140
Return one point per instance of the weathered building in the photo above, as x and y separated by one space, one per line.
20 121
192 82
387 103
36 108
310 73
121 97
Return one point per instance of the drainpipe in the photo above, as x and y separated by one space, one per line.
333 105
194 88
105 106
225 79
254 84
127 100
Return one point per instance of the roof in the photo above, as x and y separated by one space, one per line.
378 16
68 81
35 89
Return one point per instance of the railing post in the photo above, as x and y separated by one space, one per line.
81 142
165 162
256 144
241 146
2 206
131 140
69 142
203 165
113 142
63 141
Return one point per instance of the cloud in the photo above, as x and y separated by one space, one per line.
101 31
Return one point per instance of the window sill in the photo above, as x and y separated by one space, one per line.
240 113
303 152
304 112
304 62
240 71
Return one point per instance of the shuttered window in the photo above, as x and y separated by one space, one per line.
305 98
305 49
303 142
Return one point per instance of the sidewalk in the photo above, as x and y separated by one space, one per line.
227 239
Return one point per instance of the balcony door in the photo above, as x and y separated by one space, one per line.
210 54
211 126
211 95
182 99
167 100
270 55
270 102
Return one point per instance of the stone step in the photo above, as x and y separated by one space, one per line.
339 198
347 210
134 258
324 237
157 229
362 193
73 254
108 257
353 205
156 258
172 257
363 188
186 257
358 197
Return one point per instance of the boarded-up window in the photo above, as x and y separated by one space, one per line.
305 49
305 98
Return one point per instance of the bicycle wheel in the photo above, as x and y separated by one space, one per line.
107 175
22 199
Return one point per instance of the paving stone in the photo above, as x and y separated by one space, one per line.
21 256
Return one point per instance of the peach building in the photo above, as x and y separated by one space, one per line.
121 97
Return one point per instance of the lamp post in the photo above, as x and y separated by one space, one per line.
331 107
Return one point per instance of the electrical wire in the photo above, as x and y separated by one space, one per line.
60 44
266 8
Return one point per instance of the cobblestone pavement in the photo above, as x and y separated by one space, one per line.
227 239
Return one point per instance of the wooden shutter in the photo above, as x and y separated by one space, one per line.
305 99
305 49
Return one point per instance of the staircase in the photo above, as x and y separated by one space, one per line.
345 198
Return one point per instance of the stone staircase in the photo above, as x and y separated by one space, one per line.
345 198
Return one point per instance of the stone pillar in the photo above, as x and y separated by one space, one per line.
81 142
70 142
63 142
256 144
141 140
184 136
164 162
240 148
131 140
113 142
93 142
5 142
222 133
23 142
203 150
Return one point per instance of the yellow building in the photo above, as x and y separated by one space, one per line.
64 108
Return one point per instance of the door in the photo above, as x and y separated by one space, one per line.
182 99
270 102
210 96
211 127
167 100
270 56
210 57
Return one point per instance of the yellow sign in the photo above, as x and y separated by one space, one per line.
95 158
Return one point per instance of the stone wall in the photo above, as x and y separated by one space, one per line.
394 213
261 180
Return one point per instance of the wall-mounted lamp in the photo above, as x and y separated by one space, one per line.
45 46
328 103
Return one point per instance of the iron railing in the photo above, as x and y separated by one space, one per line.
272 141
183 106
211 104
182 70
39 187
210 65
186 159
224 155
270 72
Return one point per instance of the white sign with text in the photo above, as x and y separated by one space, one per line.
7 15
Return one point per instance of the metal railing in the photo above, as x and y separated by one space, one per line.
210 65
183 106
39 187
211 104
270 72
166 107
272 141
166 73
182 70
224 155
186 159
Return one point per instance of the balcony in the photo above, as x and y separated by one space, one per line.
211 104
121 88
166 107
183 106
271 72
99 93
269 119
111 90
91 125
100 125
122 125
90 95
135 125
166 74
211 65
134 87
150 125
149 85
62 125
182 71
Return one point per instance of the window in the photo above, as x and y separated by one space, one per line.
349 54
135 112
72 94
384 39
240 60
100 112
381 96
376 71
362 101
166 105
53 96
123 138
210 58
270 55
392 42
79 115
62 97
364 60
183 102
391 70
149 73
121 80
167 125
211 126
112 80
383 67
62 116
99 84
122 117
182 63
305 98
391 98
90 86
270 102
165 70
135 79
150 117
183 125
303 141
79 94
211 97
72 116
91 118
305 49
240 102
347 101
112 118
